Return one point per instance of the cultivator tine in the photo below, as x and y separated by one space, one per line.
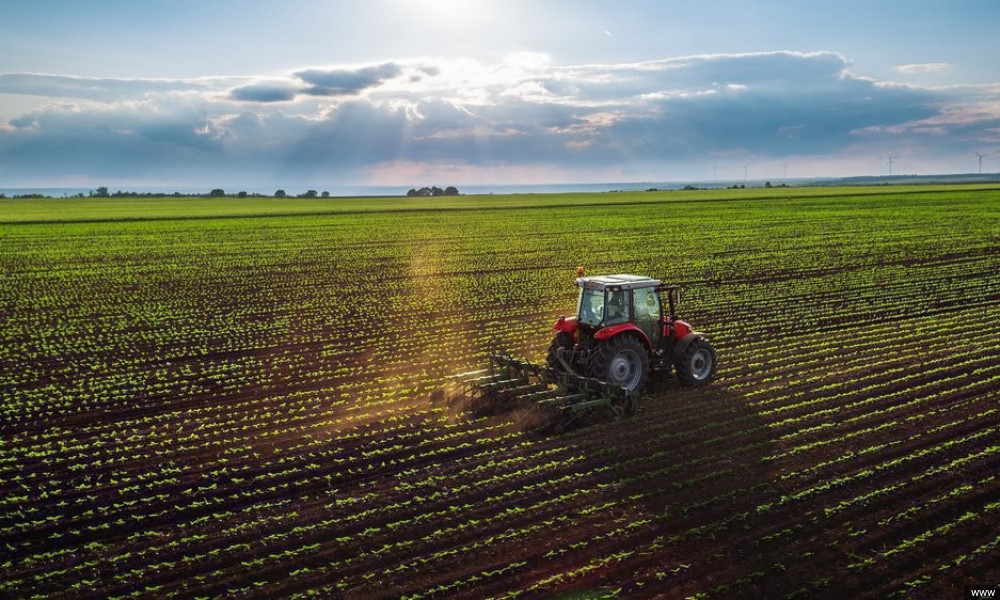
470 374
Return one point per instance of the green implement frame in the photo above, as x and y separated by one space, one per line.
509 383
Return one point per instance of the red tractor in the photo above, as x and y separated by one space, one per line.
602 357
621 333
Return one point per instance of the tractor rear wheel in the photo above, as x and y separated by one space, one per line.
696 365
622 360
562 342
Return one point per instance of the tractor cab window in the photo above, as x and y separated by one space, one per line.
647 311
600 308
617 307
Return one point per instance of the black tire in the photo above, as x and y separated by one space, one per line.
696 365
564 341
623 360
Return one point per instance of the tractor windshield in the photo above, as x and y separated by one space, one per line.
591 310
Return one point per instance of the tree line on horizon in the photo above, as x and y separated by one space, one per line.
433 191
104 192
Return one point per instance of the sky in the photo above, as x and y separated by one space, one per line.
255 94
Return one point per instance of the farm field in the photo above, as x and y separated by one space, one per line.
241 398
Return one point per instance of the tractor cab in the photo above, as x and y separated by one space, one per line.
612 300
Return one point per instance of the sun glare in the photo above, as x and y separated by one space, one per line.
449 13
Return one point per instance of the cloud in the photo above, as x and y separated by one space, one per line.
329 83
265 92
122 142
923 68
314 82
529 115
344 82
100 89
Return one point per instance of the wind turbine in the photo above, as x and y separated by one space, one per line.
892 159
980 161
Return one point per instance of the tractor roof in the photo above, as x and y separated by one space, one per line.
624 282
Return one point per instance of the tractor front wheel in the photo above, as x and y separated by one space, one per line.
622 360
696 364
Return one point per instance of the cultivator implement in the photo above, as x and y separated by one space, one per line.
560 398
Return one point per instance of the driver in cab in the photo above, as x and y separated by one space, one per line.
617 311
